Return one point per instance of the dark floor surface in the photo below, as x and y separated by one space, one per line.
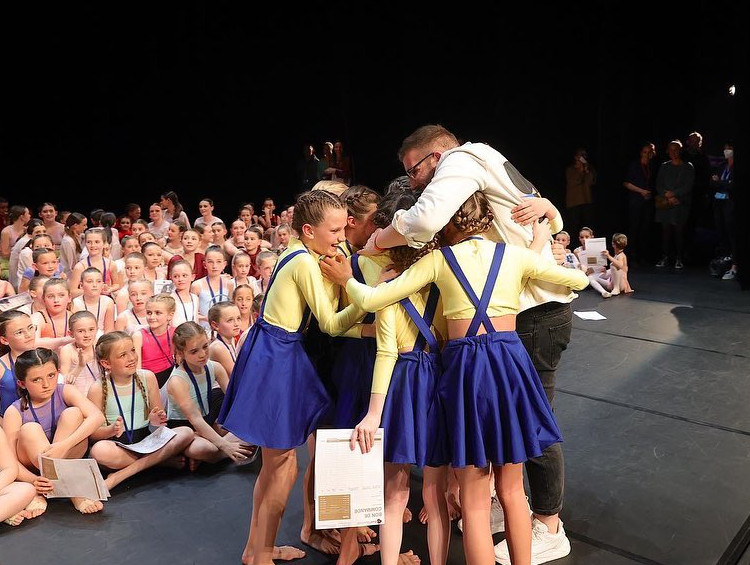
654 404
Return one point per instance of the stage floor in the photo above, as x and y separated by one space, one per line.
653 405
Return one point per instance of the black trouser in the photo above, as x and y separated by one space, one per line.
640 224
724 222
545 332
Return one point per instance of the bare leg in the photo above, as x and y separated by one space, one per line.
113 457
475 513
396 498
453 495
325 541
270 495
434 484
14 500
200 449
510 491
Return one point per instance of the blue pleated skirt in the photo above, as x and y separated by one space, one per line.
493 402
352 378
274 398
412 420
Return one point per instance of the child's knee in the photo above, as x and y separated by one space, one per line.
72 414
30 430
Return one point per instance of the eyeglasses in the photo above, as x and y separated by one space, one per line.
411 172
27 332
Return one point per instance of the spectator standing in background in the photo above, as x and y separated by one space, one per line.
307 168
639 182
580 176
674 188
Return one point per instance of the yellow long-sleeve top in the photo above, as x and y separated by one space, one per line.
371 267
475 257
300 284
394 331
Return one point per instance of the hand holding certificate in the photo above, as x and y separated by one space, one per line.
73 478
595 246
348 483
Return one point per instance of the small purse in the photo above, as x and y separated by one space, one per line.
661 202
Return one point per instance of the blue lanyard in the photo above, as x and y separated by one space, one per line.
167 357
230 349
197 388
128 431
51 321
184 310
93 376
54 421
98 307
211 290
104 267
136 317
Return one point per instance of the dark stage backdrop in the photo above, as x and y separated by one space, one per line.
110 104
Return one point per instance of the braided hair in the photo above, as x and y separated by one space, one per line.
103 349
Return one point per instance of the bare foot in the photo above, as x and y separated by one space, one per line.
321 542
16 519
334 535
176 462
365 534
287 553
629 291
366 549
36 507
409 558
193 464
423 515
407 515
86 505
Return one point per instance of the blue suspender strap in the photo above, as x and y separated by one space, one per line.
423 322
305 319
480 316
489 286
281 263
360 278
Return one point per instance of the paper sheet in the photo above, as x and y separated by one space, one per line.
74 477
592 315
594 247
152 442
348 484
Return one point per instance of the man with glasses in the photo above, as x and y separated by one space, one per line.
449 173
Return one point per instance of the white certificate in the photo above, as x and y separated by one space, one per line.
348 484
74 477
152 442
594 247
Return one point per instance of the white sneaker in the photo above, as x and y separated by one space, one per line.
729 275
544 545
